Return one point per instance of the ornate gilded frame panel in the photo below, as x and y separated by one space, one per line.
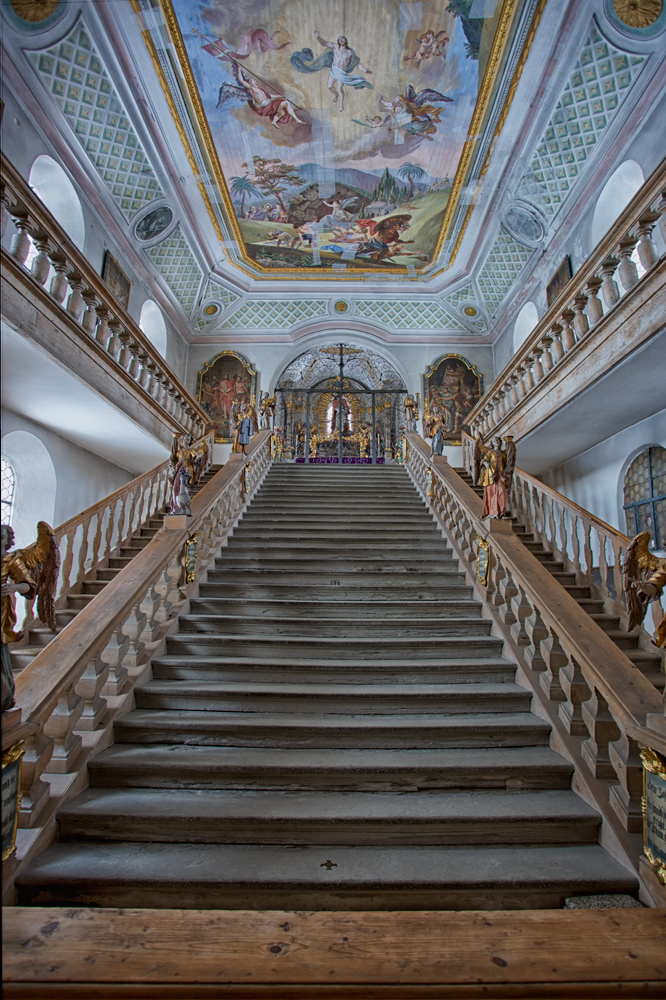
226 379
455 386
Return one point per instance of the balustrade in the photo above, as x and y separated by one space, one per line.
64 693
89 304
594 293
591 693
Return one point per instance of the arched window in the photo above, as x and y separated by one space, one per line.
8 487
52 185
35 483
645 495
526 320
152 323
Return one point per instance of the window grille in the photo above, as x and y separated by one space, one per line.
8 487
645 495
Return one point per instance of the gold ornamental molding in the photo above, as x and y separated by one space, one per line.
654 810
255 269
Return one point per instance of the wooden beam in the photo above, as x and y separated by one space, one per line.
101 954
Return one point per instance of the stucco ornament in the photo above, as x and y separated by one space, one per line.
638 13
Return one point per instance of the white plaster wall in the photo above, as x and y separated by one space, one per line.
595 478
82 479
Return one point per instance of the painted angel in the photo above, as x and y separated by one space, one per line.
415 113
428 46
258 97
31 572
644 577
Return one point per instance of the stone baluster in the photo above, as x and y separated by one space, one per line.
610 293
536 632
41 265
89 318
581 323
521 385
114 343
547 362
35 792
125 357
647 251
134 367
75 303
151 369
557 350
626 796
555 659
661 209
67 746
602 728
528 377
89 686
59 284
595 310
133 628
5 201
103 331
627 270
113 654
568 335
576 692
537 367
20 247
144 374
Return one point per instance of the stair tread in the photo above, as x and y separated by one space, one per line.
325 689
183 719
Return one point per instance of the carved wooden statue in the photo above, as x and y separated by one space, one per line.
267 411
411 410
493 469
31 572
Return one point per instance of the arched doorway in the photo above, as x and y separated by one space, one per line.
340 404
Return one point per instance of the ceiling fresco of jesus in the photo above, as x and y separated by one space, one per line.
339 125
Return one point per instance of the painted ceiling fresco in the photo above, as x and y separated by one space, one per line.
339 130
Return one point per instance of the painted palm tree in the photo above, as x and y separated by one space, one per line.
411 172
243 186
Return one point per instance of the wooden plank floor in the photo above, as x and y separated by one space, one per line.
100 954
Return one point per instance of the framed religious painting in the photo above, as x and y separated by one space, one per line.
223 384
116 279
562 277
452 387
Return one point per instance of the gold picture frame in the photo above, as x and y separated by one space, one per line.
654 765
116 280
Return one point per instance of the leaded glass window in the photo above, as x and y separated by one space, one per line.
8 487
645 495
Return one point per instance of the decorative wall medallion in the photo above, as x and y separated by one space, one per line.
637 13
341 306
153 224
211 309
470 311
35 11
524 225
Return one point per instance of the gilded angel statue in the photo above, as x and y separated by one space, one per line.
644 576
31 572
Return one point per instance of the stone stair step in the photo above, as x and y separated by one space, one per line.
330 628
218 586
338 649
269 609
331 699
446 818
185 766
215 876
419 531
352 559
309 548
292 731
459 670
379 577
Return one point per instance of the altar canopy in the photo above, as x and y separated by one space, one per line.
340 405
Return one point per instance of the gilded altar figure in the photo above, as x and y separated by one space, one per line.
31 572
277 444
644 576
186 466
490 471
411 410
267 411
362 438
314 443
435 430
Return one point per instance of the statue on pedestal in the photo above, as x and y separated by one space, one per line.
493 469
267 411
411 408
31 572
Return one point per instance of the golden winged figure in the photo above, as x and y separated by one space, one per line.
641 569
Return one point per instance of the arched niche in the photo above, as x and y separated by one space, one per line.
616 194
152 323
526 320
36 484
52 185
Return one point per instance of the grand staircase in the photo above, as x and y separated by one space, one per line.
333 727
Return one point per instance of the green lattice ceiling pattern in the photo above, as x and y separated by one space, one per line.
278 315
176 263
408 315
502 267
461 295
590 100
77 79
218 294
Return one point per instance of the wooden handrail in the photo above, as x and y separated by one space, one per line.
26 203
630 218
107 500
